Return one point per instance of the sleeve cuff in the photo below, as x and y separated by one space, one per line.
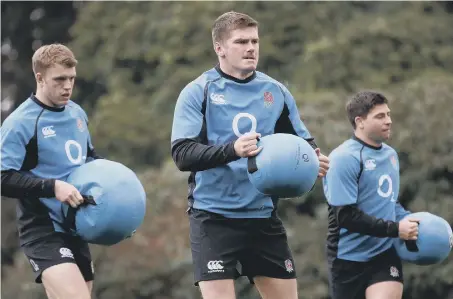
48 187
230 153
393 229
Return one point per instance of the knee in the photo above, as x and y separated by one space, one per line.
69 291
217 289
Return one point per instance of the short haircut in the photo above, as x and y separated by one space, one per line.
50 55
361 104
228 22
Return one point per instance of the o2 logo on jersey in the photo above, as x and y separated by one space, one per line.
236 119
73 144
385 178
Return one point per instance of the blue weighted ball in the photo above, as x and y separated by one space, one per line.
434 243
120 202
287 166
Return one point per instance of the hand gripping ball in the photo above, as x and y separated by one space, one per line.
116 202
434 242
287 166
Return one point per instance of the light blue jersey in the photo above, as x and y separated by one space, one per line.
215 110
367 177
45 142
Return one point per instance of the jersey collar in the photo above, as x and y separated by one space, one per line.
366 144
54 109
226 76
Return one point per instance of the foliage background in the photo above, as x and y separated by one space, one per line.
135 57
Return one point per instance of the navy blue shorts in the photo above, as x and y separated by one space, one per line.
349 280
59 248
227 248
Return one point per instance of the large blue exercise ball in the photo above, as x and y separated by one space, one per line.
434 242
286 167
119 202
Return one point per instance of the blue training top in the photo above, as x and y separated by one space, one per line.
368 178
40 144
211 113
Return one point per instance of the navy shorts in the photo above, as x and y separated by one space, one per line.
349 279
227 248
59 248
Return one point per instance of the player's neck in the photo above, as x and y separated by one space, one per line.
230 71
364 138
43 99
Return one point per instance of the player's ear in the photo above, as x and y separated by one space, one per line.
359 122
219 49
39 78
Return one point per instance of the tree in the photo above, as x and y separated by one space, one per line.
139 55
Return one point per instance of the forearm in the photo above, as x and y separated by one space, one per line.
20 185
190 155
355 220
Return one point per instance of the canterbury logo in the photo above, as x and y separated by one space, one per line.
218 99
48 131
215 266
66 252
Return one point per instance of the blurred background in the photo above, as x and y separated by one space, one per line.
135 57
